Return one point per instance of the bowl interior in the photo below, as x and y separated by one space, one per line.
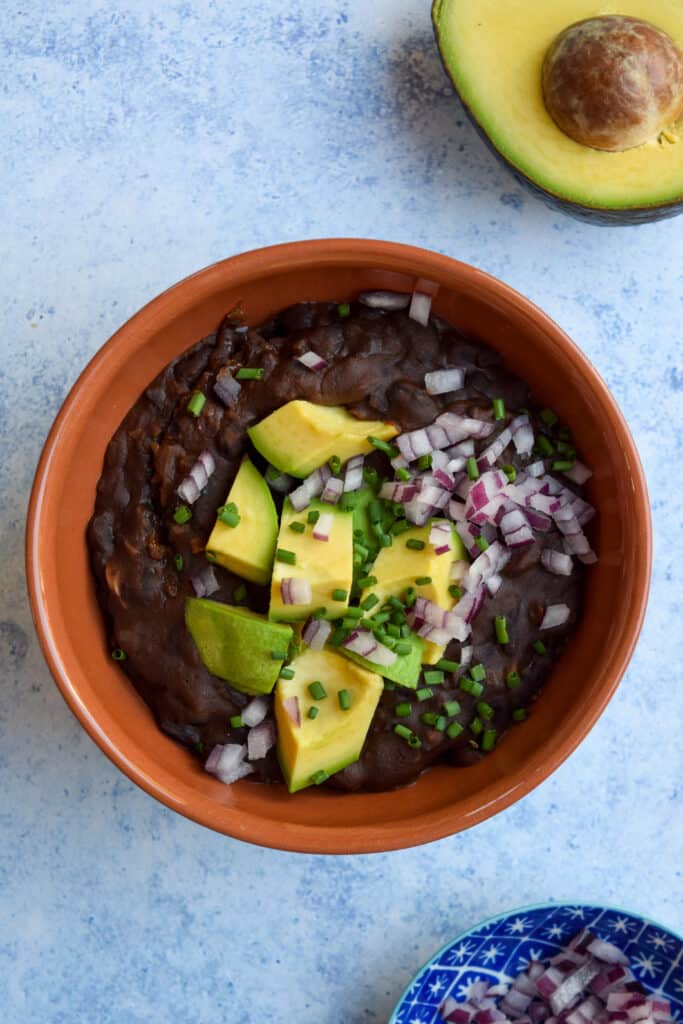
444 800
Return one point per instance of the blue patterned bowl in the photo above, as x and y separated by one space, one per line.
497 950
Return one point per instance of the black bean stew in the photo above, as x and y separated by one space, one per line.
143 560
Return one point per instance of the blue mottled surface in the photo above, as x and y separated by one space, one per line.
140 141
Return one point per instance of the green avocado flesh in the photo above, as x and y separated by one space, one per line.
236 644
494 50
405 670
335 737
247 548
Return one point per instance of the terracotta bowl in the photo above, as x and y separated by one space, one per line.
444 800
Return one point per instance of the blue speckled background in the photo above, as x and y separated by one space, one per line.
141 140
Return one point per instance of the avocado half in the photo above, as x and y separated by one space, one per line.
494 57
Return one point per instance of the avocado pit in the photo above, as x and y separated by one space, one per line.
613 82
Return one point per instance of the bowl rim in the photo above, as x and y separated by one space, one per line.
519 912
325 838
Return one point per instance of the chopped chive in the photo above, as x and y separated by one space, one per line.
375 512
344 309
424 693
236 722
403 731
240 593
319 613
297 527
454 730
366 581
348 502
313 711
471 686
334 462
382 446
282 555
403 709
370 601
478 672
358 534
423 581
488 740
294 649
510 472
549 417
565 433
415 545
501 626
344 698
210 556
451 708
278 655
397 508
317 690
424 462
544 445
388 685
562 465
434 677
512 680
313 517
472 470
118 655
196 403
338 637
402 648
485 710
340 595
520 715
349 623
395 603
476 726
179 562
568 450
481 542
386 540
498 409
440 723
540 647
319 777
249 373
370 475
287 673
392 629
447 666
228 514
429 718
414 741
400 526
182 514
403 474
455 591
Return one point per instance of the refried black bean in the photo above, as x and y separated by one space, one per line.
377 363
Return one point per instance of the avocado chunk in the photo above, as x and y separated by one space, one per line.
248 548
326 565
312 749
300 436
495 59
405 670
238 645
397 568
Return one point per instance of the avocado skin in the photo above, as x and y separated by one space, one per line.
599 216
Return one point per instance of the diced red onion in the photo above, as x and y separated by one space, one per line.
225 387
605 951
536 469
260 739
312 361
575 540
353 474
538 520
398 491
439 382
465 656
228 763
417 512
556 562
468 534
205 583
572 986
334 488
441 537
469 605
433 615
484 490
362 642
435 635
515 529
291 706
494 451
420 308
384 300
493 584
296 591
579 473
433 496
399 462
461 427
323 528
443 478
458 570
255 711
488 563
198 477
315 633
282 482
311 487
462 450
456 511
555 615
522 435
